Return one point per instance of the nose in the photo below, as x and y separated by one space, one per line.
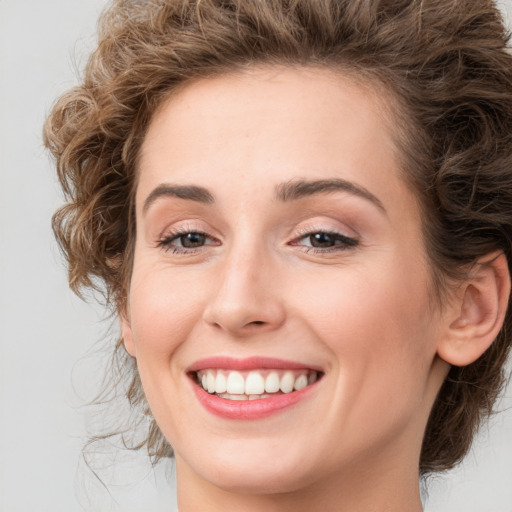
247 298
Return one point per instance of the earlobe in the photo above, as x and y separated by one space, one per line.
126 331
478 311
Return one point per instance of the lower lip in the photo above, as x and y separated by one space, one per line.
250 409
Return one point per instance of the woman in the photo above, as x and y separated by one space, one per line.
302 214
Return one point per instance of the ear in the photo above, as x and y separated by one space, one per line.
477 312
126 331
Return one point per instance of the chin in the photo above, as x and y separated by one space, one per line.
256 471
257 481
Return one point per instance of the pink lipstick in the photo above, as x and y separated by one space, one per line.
251 388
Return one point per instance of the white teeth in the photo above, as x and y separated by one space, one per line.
221 384
254 384
235 384
237 397
287 382
210 382
242 397
301 382
272 382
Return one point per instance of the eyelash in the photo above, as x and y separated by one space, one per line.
342 242
166 243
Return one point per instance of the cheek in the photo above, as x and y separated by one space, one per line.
375 320
163 308
163 311
378 329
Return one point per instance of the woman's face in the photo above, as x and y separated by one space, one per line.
279 248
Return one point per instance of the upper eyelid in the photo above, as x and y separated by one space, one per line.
172 235
185 228
299 234
308 230
304 228
325 231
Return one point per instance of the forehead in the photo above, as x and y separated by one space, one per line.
266 126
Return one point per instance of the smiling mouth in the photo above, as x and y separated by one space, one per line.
253 384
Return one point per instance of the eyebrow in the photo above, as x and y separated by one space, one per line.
298 189
190 192
290 191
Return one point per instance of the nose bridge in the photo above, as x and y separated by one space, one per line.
239 273
245 297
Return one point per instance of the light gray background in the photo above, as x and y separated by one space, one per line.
48 367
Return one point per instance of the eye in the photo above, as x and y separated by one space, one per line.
325 241
186 241
191 240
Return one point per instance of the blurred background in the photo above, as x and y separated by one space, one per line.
52 345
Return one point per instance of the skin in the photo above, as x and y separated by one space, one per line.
361 312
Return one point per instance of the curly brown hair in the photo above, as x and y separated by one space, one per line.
444 61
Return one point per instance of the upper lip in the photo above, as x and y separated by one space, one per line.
249 363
